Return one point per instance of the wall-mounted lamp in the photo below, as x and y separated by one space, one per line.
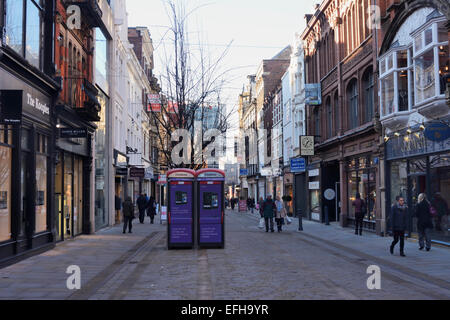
422 127
58 124
409 131
386 138
397 134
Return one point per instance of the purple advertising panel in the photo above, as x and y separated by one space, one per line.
180 210
210 219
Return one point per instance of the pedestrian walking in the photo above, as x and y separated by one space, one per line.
261 206
440 211
399 221
360 212
233 202
151 209
128 214
117 207
269 210
281 213
142 205
424 222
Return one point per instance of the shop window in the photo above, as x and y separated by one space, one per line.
181 198
210 200
5 193
41 193
24 35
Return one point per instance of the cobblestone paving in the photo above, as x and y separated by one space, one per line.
322 262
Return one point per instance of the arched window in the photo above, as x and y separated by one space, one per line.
337 123
352 104
317 122
368 95
328 110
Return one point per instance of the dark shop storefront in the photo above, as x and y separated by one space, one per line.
26 166
417 164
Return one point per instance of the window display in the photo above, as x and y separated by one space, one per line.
210 200
5 193
41 190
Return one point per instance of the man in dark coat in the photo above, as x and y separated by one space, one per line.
360 208
142 205
399 222
128 214
424 221
151 209
269 210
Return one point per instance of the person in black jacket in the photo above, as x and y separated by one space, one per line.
142 205
399 222
424 222
128 214
151 209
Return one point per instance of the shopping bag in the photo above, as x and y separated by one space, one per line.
288 220
261 223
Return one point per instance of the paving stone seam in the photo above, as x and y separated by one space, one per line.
128 283
90 288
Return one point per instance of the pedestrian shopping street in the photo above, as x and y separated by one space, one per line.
322 262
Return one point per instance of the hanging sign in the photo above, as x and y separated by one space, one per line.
437 132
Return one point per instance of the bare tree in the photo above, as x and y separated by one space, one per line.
191 85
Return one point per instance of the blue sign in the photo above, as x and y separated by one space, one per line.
298 165
437 132
243 172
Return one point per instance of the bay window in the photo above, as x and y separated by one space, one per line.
396 72
431 60
23 29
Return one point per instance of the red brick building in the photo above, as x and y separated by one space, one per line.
340 54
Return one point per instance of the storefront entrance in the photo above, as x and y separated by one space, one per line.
69 196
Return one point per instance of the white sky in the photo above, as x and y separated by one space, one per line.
258 29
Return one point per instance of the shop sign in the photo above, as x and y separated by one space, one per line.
307 145
329 194
315 185
154 103
243 172
313 94
437 132
137 172
11 107
121 171
298 165
162 179
67 133
148 173
313 173
266 172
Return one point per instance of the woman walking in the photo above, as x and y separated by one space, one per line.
399 223
281 213
128 214
424 222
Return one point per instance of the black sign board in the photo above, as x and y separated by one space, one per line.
137 173
121 171
73 133
11 107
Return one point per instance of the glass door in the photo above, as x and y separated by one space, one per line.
78 196
58 197
68 195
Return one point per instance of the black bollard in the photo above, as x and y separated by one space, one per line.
300 222
327 218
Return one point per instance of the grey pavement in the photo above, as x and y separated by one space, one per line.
322 262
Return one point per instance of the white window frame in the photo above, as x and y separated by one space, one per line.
434 45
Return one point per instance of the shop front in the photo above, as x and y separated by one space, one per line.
418 165
314 199
362 178
26 166
72 174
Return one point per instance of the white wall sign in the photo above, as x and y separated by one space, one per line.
314 185
313 173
